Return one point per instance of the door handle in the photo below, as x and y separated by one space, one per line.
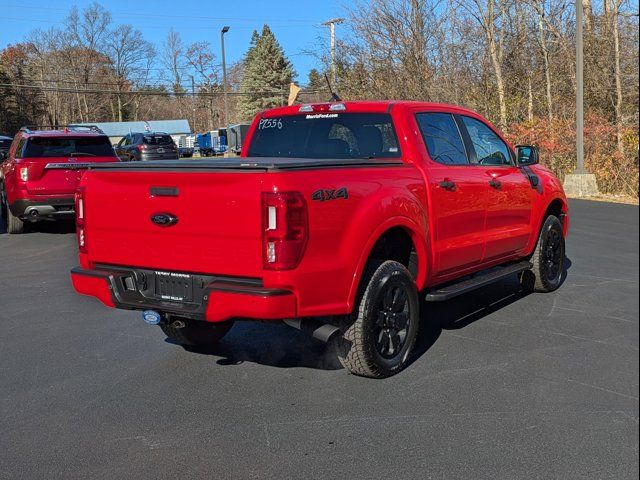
448 185
495 183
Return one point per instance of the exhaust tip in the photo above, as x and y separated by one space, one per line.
317 329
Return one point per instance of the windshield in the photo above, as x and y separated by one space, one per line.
68 147
326 135
157 140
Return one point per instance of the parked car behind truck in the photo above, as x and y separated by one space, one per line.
338 219
40 174
147 146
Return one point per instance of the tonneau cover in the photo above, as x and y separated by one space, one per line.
249 163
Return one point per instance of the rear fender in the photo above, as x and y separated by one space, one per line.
419 237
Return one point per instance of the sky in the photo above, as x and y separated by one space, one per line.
296 24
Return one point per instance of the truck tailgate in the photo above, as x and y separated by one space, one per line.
218 227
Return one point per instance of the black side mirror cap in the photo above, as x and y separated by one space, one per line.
527 155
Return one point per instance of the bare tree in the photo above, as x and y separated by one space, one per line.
615 19
202 61
399 36
131 58
173 58
85 35
491 16
540 8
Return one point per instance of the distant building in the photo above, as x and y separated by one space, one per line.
116 130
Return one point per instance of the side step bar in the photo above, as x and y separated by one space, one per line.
478 280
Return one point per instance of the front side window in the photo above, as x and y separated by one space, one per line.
489 147
326 135
442 138
68 147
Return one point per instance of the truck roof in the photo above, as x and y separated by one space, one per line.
363 106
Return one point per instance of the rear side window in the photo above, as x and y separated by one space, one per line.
68 147
442 138
490 149
4 144
157 139
326 135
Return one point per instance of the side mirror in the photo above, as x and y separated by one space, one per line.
527 155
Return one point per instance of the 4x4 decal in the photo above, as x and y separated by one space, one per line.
323 195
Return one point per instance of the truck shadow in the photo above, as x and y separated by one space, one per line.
277 345
271 344
61 227
467 309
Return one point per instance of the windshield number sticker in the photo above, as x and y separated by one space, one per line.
266 123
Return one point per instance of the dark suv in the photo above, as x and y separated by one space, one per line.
146 146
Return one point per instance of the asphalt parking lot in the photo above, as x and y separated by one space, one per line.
502 385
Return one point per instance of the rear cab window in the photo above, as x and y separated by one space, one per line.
94 146
442 138
326 135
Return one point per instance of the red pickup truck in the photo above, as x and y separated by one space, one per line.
40 172
338 219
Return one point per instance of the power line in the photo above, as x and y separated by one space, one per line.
165 27
145 92
139 15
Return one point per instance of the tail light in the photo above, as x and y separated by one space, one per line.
81 233
142 147
24 174
284 230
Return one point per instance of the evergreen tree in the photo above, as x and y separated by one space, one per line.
267 74
316 81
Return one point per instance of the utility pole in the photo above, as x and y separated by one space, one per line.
579 89
580 183
332 28
224 30
193 104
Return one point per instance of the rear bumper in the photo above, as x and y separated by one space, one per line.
219 298
50 208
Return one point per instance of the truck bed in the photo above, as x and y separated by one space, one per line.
249 163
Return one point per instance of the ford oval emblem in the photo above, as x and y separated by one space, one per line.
164 219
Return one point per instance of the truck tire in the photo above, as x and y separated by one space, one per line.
547 259
13 224
377 338
194 333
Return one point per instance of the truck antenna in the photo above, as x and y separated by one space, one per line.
334 95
